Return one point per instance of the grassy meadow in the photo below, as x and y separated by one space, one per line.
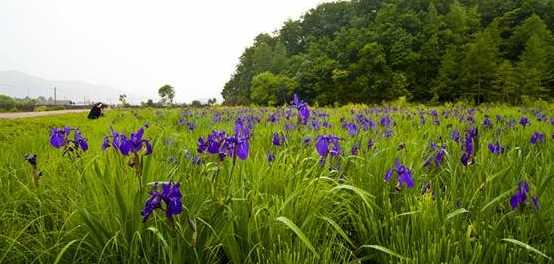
297 208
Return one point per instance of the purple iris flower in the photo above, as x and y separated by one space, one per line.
277 139
404 175
80 140
537 137
351 128
487 123
270 157
303 109
132 144
524 121
218 142
273 118
242 139
170 195
355 149
106 143
324 143
59 137
370 144
456 136
440 156
388 133
436 158
496 148
315 124
386 121
469 147
520 197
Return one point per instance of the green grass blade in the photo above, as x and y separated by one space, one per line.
526 246
384 250
292 226
456 212
59 257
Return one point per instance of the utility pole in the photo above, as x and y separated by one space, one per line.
55 101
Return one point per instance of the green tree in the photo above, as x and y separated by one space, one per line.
479 68
123 100
532 68
167 93
505 83
271 89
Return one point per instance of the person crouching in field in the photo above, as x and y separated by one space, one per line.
96 111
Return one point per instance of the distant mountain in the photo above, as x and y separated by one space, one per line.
19 84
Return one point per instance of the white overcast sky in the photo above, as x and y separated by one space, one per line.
137 46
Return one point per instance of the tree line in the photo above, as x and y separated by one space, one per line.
369 51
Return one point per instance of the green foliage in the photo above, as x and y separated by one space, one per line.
270 89
9 104
167 93
366 51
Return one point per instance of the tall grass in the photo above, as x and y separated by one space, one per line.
294 210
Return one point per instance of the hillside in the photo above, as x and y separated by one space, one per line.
368 51
18 84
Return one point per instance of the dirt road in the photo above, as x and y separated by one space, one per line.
37 114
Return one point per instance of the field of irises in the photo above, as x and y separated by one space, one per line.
296 184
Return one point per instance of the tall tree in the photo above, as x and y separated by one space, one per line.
167 93
532 68
479 68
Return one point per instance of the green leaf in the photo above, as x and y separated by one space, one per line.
292 226
385 250
339 230
496 199
456 212
526 246
59 257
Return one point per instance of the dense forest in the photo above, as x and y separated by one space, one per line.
370 51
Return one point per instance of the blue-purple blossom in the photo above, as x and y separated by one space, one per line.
455 136
60 138
270 157
520 196
328 144
469 146
496 148
135 143
437 157
487 123
355 149
537 137
170 196
303 109
519 199
370 144
386 121
351 128
403 173
218 142
277 140
80 140
524 121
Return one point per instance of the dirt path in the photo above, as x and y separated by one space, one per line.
37 114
